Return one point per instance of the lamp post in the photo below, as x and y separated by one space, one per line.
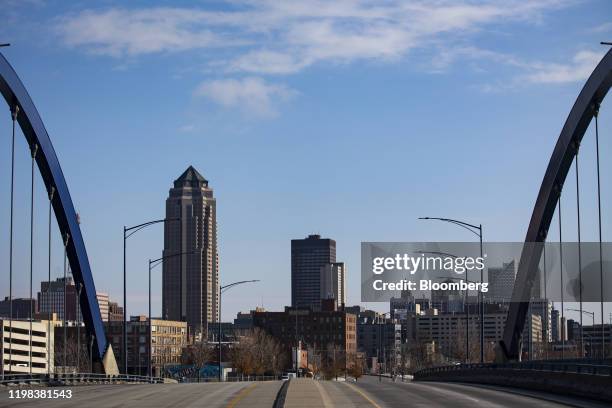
79 288
380 342
221 289
91 343
592 314
467 316
467 307
128 232
297 343
476 230
152 264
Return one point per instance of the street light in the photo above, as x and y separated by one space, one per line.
128 232
467 317
221 289
466 307
91 343
153 264
79 289
476 230
593 325
380 342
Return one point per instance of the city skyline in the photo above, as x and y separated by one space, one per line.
308 203
288 181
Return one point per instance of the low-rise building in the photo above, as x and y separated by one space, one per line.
380 340
22 354
318 330
20 307
168 338
594 337
448 330
115 312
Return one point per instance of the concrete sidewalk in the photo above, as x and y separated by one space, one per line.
304 392
259 395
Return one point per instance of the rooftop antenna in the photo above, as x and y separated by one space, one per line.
5 45
606 43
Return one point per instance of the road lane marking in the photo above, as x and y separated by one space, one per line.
243 393
324 396
363 394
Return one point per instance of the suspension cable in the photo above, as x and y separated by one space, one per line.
34 151
546 342
14 114
601 280
562 323
66 238
51 193
579 248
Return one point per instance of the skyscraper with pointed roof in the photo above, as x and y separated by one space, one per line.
191 281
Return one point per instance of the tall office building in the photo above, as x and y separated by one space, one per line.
447 301
191 281
333 283
543 308
558 327
308 256
51 300
501 282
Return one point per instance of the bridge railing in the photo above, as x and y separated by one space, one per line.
78 379
574 367
230 379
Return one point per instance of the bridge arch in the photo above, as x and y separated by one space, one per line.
585 108
33 128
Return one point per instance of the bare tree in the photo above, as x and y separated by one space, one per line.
333 361
314 361
197 354
357 369
258 353
76 358
404 361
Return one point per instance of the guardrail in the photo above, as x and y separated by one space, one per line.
230 379
586 379
547 366
78 379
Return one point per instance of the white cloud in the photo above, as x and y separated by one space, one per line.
578 69
119 32
269 62
252 95
602 28
186 128
271 37
276 37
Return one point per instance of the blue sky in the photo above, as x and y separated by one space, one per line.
349 119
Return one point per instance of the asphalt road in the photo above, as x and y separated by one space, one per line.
302 393
213 395
428 394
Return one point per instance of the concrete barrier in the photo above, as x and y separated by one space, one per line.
591 386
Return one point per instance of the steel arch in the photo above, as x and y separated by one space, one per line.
576 124
31 124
